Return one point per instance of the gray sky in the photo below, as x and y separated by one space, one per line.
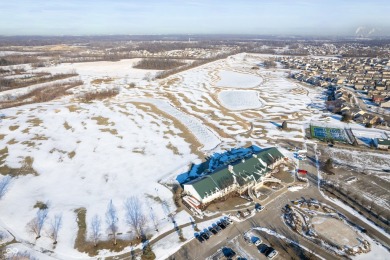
90 17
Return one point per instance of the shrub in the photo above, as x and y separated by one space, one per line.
98 95
148 253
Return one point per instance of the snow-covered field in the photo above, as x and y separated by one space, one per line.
240 99
82 155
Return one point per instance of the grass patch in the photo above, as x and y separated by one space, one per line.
103 121
82 227
29 143
40 205
109 130
12 141
67 126
100 81
39 138
73 108
13 127
3 155
139 150
173 148
2 136
25 169
84 245
71 154
35 121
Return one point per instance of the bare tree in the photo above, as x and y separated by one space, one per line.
112 220
148 76
153 218
55 226
36 224
134 215
4 184
95 228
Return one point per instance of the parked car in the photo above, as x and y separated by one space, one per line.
218 228
212 230
271 253
256 240
204 236
225 222
229 219
208 232
258 207
221 225
199 238
262 248
228 252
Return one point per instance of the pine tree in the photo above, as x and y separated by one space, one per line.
284 125
329 164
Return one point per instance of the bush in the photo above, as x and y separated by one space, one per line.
148 253
99 95
42 94
346 118
329 164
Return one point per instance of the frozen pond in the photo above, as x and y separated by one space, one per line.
240 99
231 79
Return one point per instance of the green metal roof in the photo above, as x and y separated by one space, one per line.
210 183
383 141
244 171
268 155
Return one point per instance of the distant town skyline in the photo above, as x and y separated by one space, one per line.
277 17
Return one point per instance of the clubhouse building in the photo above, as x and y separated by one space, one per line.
235 177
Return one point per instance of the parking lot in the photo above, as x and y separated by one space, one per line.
253 244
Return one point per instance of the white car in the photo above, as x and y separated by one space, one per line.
272 254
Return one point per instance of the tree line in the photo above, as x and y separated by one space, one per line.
42 77
158 64
42 94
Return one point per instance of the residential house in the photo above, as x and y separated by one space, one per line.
378 98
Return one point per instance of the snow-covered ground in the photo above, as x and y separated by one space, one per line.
5 236
85 154
20 251
295 188
203 134
85 159
378 252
